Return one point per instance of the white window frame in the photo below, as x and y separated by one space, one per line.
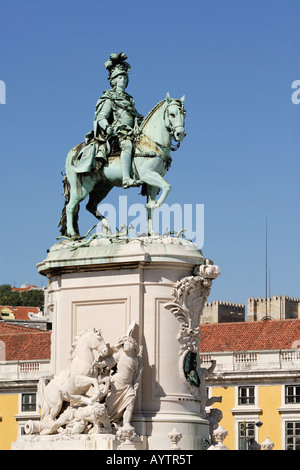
248 413
29 392
246 407
24 416
288 412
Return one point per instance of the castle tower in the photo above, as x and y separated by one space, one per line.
276 308
222 312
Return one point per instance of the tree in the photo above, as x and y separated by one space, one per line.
33 298
5 289
29 298
9 297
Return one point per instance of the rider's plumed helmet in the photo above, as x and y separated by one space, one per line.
116 65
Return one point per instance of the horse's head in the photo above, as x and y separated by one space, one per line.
97 342
174 117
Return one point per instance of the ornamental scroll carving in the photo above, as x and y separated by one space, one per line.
189 296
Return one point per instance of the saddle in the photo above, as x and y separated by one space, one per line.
89 156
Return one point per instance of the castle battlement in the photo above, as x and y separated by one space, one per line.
221 302
275 297
279 307
219 311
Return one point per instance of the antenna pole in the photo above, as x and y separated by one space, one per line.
266 267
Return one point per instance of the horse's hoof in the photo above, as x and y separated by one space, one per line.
74 237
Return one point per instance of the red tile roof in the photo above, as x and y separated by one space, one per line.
21 313
247 336
22 344
22 289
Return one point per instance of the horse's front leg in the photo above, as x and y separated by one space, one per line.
154 179
84 382
152 193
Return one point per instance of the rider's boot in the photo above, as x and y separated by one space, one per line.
125 159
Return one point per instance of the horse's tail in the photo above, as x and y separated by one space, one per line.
63 219
40 391
49 401
41 396
66 193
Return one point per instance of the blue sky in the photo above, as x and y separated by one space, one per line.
235 61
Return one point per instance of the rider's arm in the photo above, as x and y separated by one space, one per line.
103 115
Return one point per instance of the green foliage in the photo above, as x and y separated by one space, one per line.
11 298
5 289
30 298
33 298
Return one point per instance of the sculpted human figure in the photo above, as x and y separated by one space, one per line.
126 357
214 417
116 118
81 419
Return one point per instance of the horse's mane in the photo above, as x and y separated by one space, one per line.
78 337
150 114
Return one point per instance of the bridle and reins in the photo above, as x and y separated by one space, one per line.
170 128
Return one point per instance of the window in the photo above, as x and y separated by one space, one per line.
292 394
246 434
246 396
292 435
29 401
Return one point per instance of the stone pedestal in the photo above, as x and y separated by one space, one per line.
61 442
107 285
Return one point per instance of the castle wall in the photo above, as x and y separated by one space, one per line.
222 312
276 308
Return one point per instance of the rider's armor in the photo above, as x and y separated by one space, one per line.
116 110
115 123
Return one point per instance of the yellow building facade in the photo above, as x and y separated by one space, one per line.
269 402
260 388
9 408
18 397
24 359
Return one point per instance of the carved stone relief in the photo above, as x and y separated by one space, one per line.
92 396
189 295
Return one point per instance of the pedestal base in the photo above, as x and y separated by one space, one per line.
194 430
77 442
108 285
